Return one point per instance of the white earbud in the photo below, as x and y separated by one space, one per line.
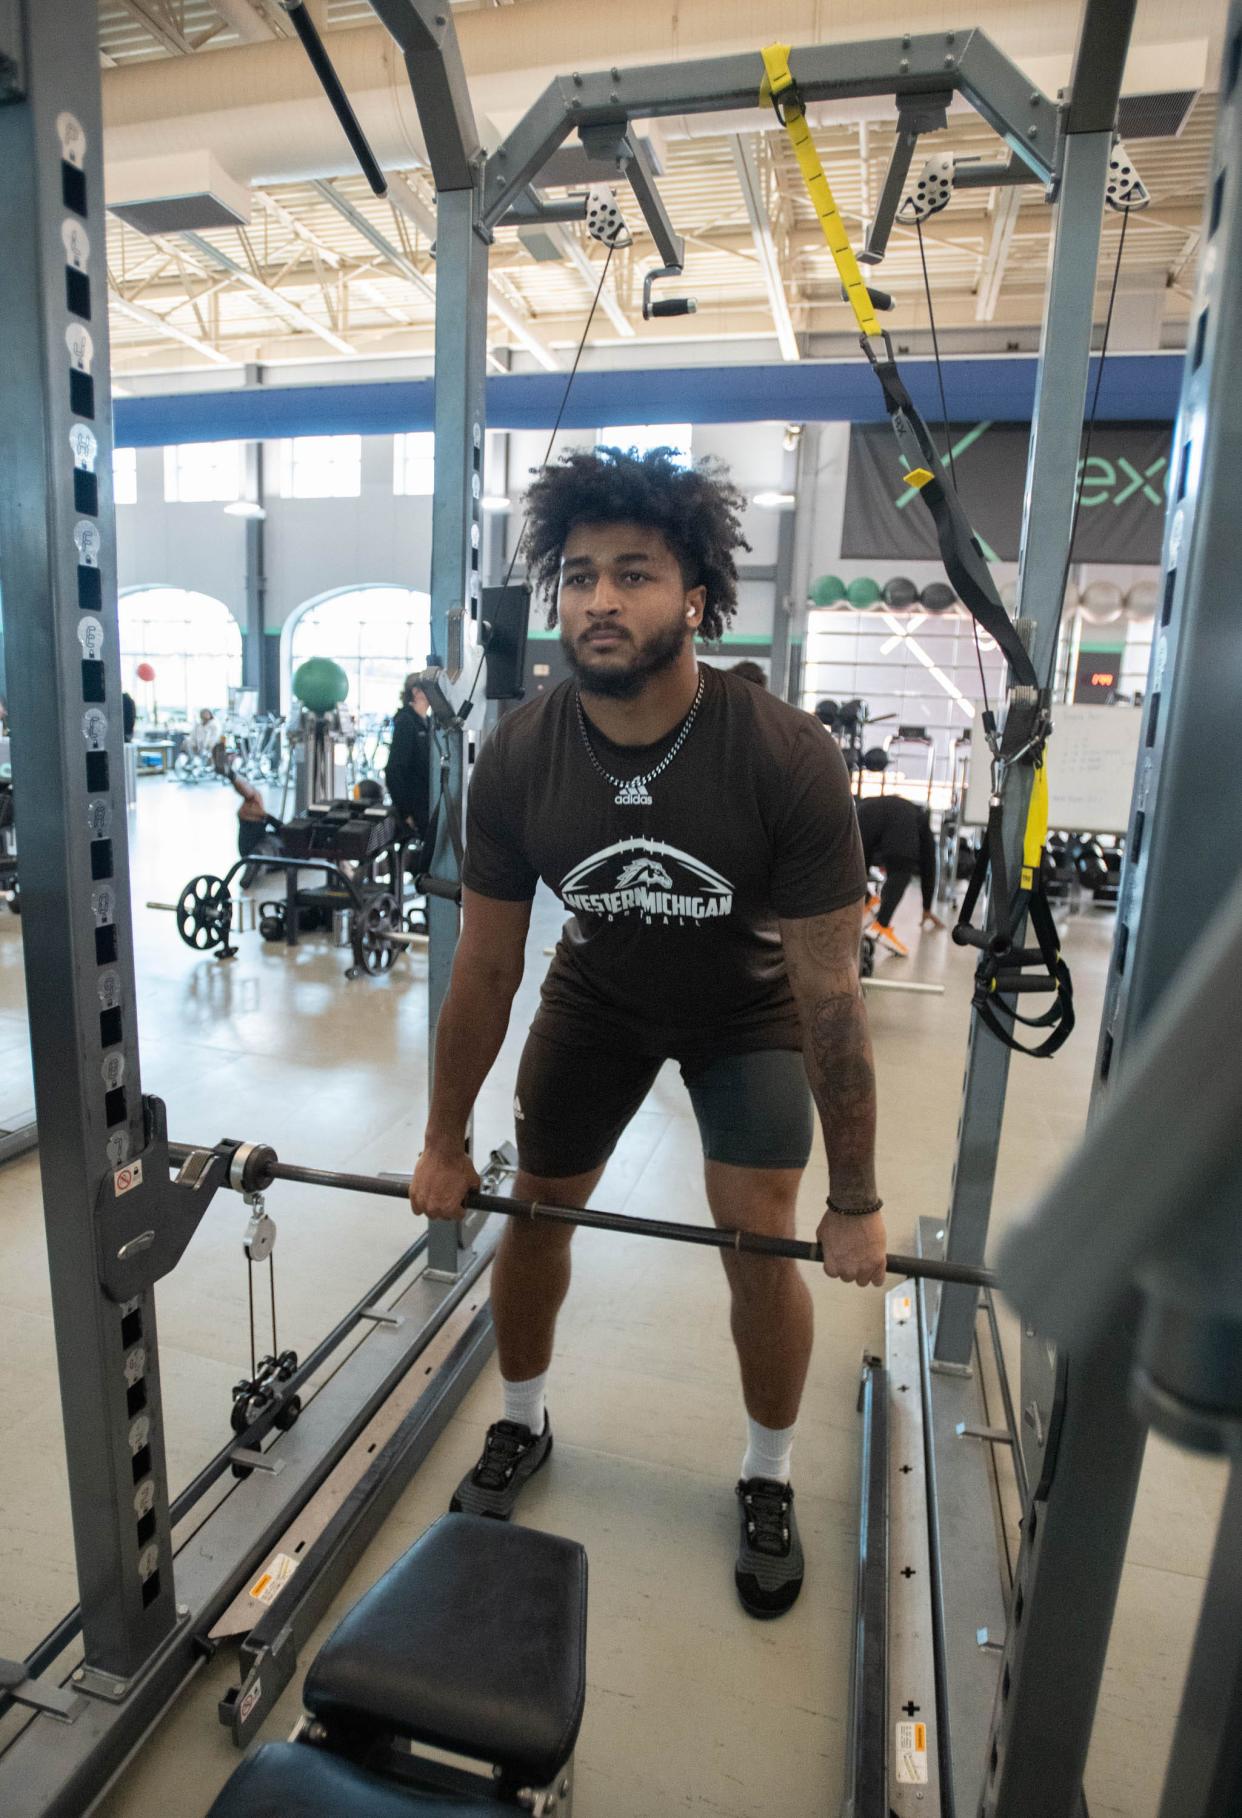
690 614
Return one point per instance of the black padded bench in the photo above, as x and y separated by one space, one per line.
474 1643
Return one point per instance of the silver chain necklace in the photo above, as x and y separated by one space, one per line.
635 793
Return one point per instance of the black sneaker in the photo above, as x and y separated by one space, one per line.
769 1557
511 1454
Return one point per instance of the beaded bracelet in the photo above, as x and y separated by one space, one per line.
876 1205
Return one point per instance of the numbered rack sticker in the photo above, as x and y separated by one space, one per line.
91 638
77 244
72 140
81 350
85 447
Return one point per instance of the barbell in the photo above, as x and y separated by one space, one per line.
253 1167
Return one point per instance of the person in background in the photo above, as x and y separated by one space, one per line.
204 737
129 714
408 773
749 672
897 836
258 832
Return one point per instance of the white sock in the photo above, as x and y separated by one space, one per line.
768 1451
524 1402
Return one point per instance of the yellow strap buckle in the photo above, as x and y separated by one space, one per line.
1036 835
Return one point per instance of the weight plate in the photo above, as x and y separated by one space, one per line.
204 913
369 929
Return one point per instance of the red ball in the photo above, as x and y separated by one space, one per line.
145 673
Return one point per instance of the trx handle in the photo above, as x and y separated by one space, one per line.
781 90
1005 971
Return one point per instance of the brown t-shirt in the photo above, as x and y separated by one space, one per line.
673 941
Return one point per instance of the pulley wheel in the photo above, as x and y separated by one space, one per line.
369 931
204 913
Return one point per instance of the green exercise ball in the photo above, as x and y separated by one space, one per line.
828 590
863 592
320 684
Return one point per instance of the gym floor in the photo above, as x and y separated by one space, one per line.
691 1707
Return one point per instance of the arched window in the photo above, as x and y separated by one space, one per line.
192 642
377 635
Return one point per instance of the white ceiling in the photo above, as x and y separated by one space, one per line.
315 288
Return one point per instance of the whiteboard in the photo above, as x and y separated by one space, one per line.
1092 756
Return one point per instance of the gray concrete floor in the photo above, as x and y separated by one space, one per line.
690 1707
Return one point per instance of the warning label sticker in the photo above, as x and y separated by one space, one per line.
126 1179
276 1575
902 1309
912 1754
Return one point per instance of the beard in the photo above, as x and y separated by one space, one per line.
625 681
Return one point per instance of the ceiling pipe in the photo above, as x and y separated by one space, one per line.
246 20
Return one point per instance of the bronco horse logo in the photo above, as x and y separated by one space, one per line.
645 871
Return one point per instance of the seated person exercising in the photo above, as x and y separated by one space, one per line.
897 835
702 834
258 832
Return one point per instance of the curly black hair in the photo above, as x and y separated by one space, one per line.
696 509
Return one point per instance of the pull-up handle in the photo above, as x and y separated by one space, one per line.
338 100
666 306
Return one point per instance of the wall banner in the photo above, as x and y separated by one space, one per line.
1123 492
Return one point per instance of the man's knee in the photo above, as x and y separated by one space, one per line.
759 1280
545 1190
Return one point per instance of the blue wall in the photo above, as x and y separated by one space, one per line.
1136 387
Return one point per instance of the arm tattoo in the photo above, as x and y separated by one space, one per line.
822 955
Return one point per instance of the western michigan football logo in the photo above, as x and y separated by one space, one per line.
649 881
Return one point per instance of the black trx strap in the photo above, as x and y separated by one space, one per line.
1004 971
959 547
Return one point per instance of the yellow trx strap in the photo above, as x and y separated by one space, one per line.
1036 836
779 81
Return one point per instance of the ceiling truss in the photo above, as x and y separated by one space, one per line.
328 270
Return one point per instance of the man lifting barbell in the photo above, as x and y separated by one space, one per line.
702 833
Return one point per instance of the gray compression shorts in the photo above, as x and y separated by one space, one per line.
572 1104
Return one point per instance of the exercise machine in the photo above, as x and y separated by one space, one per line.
156 1572
976 1676
363 859
118 1218
474 1643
